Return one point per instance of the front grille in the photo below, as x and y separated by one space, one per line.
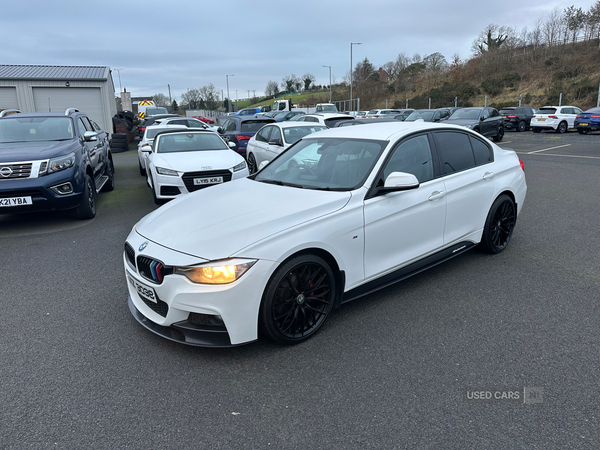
151 269
160 307
9 171
130 254
188 178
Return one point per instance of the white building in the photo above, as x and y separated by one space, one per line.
56 88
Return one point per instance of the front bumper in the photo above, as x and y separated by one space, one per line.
169 187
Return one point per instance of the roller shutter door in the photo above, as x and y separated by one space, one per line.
86 100
8 98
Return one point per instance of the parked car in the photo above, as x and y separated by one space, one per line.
349 123
327 119
150 121
53 161
287 115
238 130
183 161
483 120
187 122
340 214
148 139
272 139
204 119
247 112
517 117
557 118
402 115
152 111
428 115
588 121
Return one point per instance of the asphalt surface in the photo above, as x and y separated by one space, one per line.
391 370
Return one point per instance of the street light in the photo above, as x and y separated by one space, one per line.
228 99
119 72
351 44
330 82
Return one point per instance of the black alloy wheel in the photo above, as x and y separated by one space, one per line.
87 207
562 128
499 225
583 130
522 126
500 135
252 168
110 173
298 299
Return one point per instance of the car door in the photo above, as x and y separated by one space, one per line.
275 143
91 147
401 227
468 176
259 145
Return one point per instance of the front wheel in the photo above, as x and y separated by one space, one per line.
252 167
536 129
87 207
562 128
110 173
297 300
499 225
500 135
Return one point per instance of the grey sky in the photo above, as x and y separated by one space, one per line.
190 43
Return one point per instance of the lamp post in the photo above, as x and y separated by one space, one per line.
330 82
351 44
119 72
228 99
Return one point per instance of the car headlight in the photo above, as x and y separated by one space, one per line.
216 272
60 163
240 166
170 172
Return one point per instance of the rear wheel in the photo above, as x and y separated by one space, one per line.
536 129
582 131
499 225
562 128
142 170
500 135
110 173
522 126
298 298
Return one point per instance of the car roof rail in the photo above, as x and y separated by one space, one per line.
6 112
71 111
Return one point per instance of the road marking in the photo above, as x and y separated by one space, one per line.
551 148
566 156
505 142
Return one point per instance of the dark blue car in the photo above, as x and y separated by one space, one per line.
239 130
588 121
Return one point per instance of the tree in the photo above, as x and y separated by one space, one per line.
160 100
490 39
364 72
174 107
575 20
307 79
289 83
272 89
210 97
435 63
192 97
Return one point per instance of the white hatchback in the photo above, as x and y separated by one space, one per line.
340 214
557 118
184 161
146 142
274 138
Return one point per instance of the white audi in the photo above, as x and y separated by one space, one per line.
341 213
183 161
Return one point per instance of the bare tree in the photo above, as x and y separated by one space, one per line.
192 97
272 89
289 82
490 39
551 28
307 79
435 63
210 96
161 100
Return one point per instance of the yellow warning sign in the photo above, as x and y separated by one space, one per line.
141 115
146 103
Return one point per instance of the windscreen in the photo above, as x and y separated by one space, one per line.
294 134
466 114
34 129
189 142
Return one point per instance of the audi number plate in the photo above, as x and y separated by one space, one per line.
210 180
15 201
143 290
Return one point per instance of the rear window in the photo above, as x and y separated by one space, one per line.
252 126
546 110
507 110
331 122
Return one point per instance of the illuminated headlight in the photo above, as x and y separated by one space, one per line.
61 163
216 272
163 171
240 166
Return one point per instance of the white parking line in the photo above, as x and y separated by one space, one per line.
553 154
546 149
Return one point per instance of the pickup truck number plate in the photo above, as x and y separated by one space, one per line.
211 180
143 291
15 201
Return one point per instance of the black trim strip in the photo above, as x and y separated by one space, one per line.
407 271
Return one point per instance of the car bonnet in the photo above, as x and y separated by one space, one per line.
217 222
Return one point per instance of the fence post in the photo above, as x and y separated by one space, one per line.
485 104
520 97
560 100
429 102
455 102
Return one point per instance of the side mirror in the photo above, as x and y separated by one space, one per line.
231 144
399 181
263 164
90 136
276 142
220 130
146 149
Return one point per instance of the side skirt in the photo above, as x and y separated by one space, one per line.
407 271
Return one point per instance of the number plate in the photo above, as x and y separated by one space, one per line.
583 124
541 120
211 180
143 290
15 201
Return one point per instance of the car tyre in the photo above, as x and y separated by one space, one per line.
500 135
87 207
522 126
536 129
252 167
582 131
142 170
499 225
110 172
562 128
297 300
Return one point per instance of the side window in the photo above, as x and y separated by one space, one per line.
178 122
87 124
312 119
230 126
445 113
437 116
412 156
81 127
577 111
263 134
275 134
485 114
455 151
494 113
483 153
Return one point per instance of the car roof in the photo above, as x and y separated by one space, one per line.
297 124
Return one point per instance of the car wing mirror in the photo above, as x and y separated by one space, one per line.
231 144
263 164
90 136
276 142
220 130
399 181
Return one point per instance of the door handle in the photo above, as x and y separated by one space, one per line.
436 194
488 175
